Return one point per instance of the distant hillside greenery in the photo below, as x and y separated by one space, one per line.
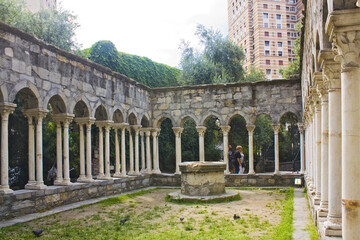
141 69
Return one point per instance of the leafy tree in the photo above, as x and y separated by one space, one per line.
255 75
56 27
294 66
220 61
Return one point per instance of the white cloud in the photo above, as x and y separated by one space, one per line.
146 28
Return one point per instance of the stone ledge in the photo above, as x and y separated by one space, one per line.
227 196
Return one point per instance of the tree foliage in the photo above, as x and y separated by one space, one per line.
56 27
141 69
294 66
219 61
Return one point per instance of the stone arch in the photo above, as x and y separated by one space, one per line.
210 115
145 122
291 111
132 119
27 89
262 113
101 113
159 120
57 104
115 109
75 101
60 97
234 114
184 119
117 116
81 109
4 97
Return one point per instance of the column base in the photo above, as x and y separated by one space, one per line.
131 173
86 180
322 212
117 175
251 172
5 190
157 171
29 184
333 227
100 176
81 178
105 178
35 186
317 200
137 173
227 172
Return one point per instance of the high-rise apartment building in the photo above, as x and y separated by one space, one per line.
265 29
37 5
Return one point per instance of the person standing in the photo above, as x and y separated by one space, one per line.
230 153
237 162
241 164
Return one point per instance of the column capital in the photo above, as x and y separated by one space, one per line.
343 27
7 108
301 128
178 131
155 132
84 120
201 130
104 123
276 127
35 112
148 133
331 68
141 133
225 129
250 128
62 117
136 128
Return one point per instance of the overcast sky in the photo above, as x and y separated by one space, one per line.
153 29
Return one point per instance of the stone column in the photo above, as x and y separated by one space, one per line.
6 110
66 123
136 130
276 128
131 153
178 131
59 165
117 152
342 27
318 82
89 122
331 70
82 154
226 130
39 151
107 152
143 167
201 130
156 133
31 151
302 149
148 152
251 129
101 152
323 91
123 150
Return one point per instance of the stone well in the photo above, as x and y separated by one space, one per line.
202 181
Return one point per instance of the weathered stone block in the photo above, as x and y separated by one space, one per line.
22 204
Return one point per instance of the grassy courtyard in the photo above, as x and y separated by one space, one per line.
264 214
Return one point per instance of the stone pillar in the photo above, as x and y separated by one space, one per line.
148 152
137 129
117 152
302 149
155 134
251 129
6 110
39 151
226 130
89 122
107 152
323 91
276 128
143 167
331 70
59 165
66 159
101 153
123 150
201 130
82 154
342 27
31 151
178 131
131 153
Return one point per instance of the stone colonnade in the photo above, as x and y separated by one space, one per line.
331 123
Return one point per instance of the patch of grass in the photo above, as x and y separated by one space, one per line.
122 198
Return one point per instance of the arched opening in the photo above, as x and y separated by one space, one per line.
213 139
130 143
118 117
238 135
189 141
101 114
289 143
145 123
167 147
264 154
25 99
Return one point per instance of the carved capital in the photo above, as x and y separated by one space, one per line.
39 114
178 131
301 128
201 130
250 128
6 109
276 128
225 129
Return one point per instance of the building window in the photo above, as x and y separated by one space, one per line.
278 16
266 25
265 15
278 26
280 53
279 44
292 9
289 43
281 62
266 34
293 18
277 7
267 43
279 35
265 6
267 62
268 71
267 53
